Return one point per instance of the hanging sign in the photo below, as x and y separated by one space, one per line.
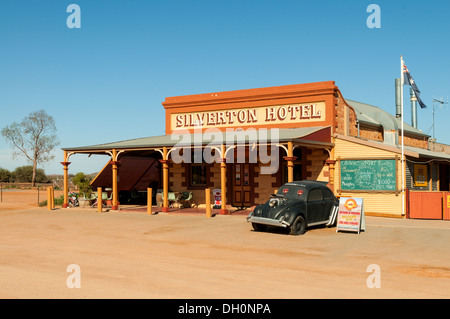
351 215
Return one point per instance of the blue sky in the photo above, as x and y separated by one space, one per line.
106 81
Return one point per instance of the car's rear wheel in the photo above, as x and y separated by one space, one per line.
259 227
298 227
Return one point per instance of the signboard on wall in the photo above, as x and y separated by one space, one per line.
351 216
368 175
282 114
420 175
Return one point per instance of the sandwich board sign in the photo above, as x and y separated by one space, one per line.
217 193
351 216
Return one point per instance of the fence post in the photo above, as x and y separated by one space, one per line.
208 202
49 198
407 203
99 199
149 201
53 197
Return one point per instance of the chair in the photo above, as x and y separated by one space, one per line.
173 199
159 197
107 199
94 197
187 197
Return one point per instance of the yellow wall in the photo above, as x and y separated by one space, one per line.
376 204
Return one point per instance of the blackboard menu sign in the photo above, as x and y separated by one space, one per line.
368 175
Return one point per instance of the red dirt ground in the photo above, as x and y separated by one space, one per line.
167 255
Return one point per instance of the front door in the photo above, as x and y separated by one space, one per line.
242 185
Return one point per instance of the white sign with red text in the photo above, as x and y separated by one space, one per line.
351 215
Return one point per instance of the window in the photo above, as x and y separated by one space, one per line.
197 170
315 195
198 175
327 194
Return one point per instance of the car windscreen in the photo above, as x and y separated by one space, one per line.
292 192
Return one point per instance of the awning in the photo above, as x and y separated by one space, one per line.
427 154
314 137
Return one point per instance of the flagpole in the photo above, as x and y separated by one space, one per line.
402 80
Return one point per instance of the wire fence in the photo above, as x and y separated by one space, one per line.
36 193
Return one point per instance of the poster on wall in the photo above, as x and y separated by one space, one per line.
351 216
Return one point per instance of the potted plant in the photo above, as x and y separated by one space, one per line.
82 182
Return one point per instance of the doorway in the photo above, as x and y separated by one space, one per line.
444 179
242 194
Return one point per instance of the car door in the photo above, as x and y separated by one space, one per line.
315 206
328 198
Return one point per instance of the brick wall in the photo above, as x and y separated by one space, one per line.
316 168
263 185
415 142
438 147
370 133
341 109
178 181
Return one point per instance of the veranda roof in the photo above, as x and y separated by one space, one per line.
314 137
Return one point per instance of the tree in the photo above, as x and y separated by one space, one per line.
33 138
5 175
24 174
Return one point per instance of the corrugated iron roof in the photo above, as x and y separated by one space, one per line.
374 115
233 137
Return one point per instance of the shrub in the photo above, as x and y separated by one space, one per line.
83 183
58 201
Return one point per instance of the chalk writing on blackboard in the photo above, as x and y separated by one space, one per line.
371 175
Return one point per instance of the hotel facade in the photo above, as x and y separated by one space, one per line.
247 143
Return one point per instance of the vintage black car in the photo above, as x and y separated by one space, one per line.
296 206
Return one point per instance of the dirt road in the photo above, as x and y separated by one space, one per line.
133 255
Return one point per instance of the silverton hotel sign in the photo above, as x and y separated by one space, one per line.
294 113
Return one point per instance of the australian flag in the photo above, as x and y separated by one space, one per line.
407 78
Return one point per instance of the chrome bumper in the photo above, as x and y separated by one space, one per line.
267 221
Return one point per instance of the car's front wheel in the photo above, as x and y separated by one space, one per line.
259 227
298 227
